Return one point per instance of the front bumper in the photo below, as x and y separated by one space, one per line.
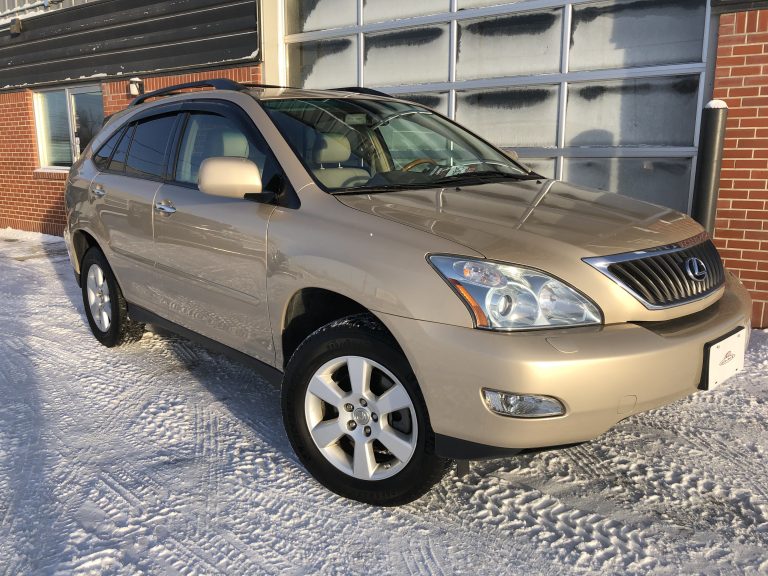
602 374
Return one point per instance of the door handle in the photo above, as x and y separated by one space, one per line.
98 191
165 207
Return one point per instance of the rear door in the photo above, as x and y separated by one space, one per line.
124 193
211 251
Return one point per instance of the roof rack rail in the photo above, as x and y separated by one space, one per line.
260 85
217 84
361 90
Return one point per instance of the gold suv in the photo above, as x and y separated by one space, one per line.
426 296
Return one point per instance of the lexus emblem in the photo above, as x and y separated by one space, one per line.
696 269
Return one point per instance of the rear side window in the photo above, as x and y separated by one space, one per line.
118 158
101 158
147 154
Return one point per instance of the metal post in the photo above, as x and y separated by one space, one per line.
709 161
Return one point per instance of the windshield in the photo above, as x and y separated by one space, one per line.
358 145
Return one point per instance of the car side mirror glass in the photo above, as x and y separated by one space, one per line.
230 178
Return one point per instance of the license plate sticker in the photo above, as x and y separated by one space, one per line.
726 358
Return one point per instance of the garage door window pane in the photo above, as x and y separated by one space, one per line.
323 64
306 15
410 56
509 45
641 112
543 166
514 117
378 10
663 181
641 33
54 129
438 101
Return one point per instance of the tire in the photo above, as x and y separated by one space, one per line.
105 307
367 442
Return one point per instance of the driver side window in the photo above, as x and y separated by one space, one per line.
211 135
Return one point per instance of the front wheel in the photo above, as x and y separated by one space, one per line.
355 416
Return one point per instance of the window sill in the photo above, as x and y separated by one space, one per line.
50 173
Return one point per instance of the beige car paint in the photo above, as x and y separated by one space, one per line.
373 249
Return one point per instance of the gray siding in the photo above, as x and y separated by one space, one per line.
111 37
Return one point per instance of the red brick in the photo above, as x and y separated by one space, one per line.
727 233
727 82
756 275
755 101
758 38
747 49
746 224
748 204
755 59
744 245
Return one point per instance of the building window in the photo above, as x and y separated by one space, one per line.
67 120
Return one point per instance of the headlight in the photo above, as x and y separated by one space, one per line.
505 297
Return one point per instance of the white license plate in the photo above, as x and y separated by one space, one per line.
726 358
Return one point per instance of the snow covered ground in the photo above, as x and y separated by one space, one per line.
161 457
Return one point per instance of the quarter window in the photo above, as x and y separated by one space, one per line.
101 158
118 158
67 120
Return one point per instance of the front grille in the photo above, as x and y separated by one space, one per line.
663 277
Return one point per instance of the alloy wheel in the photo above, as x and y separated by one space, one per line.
361 418
99 300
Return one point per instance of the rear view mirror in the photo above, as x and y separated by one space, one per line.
229 177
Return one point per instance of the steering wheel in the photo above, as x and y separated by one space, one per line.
418 162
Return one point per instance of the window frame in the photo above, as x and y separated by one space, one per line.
69 91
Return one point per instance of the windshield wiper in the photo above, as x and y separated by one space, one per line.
383 188
467 178
484 176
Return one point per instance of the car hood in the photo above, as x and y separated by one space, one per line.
531 221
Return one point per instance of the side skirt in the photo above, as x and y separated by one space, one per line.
140 314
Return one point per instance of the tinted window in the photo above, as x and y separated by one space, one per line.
101 158
147 152
118 158
208 136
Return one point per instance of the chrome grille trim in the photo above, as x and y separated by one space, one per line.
657 277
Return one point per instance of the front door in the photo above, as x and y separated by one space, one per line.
211 251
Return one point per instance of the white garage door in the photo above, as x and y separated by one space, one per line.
605 94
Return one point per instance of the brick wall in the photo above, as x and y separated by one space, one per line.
33 199
741 79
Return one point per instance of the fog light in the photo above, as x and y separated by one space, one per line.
523 405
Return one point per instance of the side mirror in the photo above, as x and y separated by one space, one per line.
232 178
512 154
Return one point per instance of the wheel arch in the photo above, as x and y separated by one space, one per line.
81 242
311 308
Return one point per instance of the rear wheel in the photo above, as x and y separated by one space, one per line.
105 307
355 416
